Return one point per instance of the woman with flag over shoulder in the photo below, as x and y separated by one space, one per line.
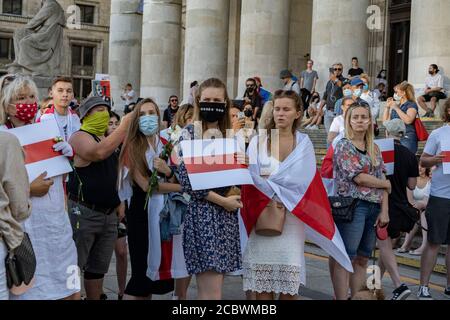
287 202
48 226
359 175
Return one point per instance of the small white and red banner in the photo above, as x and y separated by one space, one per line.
37 140
327 170
211 163
387 151
298 184
445 146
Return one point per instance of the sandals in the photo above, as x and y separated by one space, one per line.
401 250
415 253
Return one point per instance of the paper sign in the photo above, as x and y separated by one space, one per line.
37 141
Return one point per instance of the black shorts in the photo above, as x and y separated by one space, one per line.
437 95
402 218
438 219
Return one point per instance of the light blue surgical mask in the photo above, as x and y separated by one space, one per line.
357 92
149 125
348 93
366 87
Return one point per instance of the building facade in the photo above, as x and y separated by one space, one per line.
161 46
187 40
86 49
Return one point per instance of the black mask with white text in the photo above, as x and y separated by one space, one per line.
212 111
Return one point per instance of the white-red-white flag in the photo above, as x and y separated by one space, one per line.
445 146
37 140
212 163
298 184
327 170
387 151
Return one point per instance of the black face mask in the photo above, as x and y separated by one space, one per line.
248 113
212 111
431 73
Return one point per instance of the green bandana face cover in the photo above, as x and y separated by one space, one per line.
96 123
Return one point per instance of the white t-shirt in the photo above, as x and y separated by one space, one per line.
292 85
440 182
129 97
338 125
436 81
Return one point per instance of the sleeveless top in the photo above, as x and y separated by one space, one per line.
98 182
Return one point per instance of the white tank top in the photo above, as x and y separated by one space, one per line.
421 193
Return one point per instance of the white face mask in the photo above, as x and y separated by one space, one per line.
397 97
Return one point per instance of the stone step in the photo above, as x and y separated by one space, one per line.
403 259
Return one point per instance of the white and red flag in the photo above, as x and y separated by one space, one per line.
37 140
387 151
326 171
445 146
212 163
298 184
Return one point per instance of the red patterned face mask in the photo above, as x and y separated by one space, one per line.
26 112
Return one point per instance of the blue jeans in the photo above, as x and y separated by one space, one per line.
359 235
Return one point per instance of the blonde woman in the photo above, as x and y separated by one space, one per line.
48 226
403 106
360 174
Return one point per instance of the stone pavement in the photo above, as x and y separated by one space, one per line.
318 286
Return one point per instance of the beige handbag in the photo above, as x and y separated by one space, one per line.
271 221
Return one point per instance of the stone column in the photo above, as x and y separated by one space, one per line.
300 35
206 44
264 41
339 32
429 42
125 38
161 47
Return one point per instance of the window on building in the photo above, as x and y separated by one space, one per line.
82 87
87 13
82 56
12 7
7 49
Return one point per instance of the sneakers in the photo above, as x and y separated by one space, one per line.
314 127
447 291
424 293
401 293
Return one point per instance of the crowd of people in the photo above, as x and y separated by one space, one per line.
126 195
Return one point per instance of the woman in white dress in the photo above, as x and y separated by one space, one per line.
57 273
276 265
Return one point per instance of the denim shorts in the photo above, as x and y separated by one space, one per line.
359 235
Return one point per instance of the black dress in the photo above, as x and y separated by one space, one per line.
137 218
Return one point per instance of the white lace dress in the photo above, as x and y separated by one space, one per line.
276 264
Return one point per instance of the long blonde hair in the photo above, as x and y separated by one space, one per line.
371 148
135 145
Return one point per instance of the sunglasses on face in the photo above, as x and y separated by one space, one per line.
174 100
337 69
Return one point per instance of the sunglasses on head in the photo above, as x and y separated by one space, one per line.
7 80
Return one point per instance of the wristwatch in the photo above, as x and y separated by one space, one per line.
172 173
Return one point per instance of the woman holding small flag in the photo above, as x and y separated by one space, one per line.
211 239
360 175
48 226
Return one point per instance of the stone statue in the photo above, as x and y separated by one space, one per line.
39 45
